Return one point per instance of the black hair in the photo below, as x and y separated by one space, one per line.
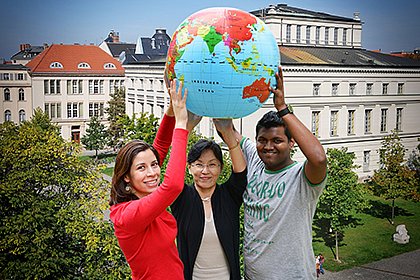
203 144
269 120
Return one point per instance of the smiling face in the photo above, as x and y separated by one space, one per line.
274 148
144 175
205 170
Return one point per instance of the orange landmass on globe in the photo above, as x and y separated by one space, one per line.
259 89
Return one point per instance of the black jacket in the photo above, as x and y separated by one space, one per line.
188 211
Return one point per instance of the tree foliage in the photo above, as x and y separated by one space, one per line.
342 198
414 164
115 110
52 208
144 127
393 179
96 136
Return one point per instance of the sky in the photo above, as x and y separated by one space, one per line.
388 25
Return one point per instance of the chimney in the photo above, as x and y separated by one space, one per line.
23 47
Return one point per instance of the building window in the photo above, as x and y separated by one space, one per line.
53 110
298 33
22 116
109 66
96 86
74 87
6 94
352 89
7 116
334 89
400 88
308 34
288 32
21 94
398 124
317 31
5 76
83 65
96 109
327 35
52 87
315 123
368 120
74 110
334 123
115 85
345 36
384 113
56 65
335 36
20 76
162 85
350 122
385 88
151 84
366 160
316 89
369 87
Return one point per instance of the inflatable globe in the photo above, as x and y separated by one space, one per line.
227 59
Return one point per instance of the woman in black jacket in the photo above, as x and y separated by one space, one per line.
207 214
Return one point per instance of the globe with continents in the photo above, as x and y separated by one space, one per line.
227 59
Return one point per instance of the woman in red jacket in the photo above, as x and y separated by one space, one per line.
145 230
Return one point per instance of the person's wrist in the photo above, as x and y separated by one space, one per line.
284 111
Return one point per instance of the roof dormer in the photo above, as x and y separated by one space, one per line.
56 65
83 65
109 65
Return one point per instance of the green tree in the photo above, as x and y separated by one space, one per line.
342 198
52 208
115 110
96 136
393 179
414 164
144 127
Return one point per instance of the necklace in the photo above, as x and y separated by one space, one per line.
206 199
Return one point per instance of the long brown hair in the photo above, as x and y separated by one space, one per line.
122 167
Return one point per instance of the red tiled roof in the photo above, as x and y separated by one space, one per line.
70 56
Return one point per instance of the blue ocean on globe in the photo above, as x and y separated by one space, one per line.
227 60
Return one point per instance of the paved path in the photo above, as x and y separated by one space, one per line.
402 267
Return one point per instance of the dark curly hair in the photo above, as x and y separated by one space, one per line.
122 167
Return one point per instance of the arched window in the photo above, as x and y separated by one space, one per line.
6 94
21 94
109 66
56 65
7 116
83 65
22 116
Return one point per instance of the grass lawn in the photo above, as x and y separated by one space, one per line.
372 241
108 171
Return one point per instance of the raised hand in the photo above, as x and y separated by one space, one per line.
279 102
179 106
